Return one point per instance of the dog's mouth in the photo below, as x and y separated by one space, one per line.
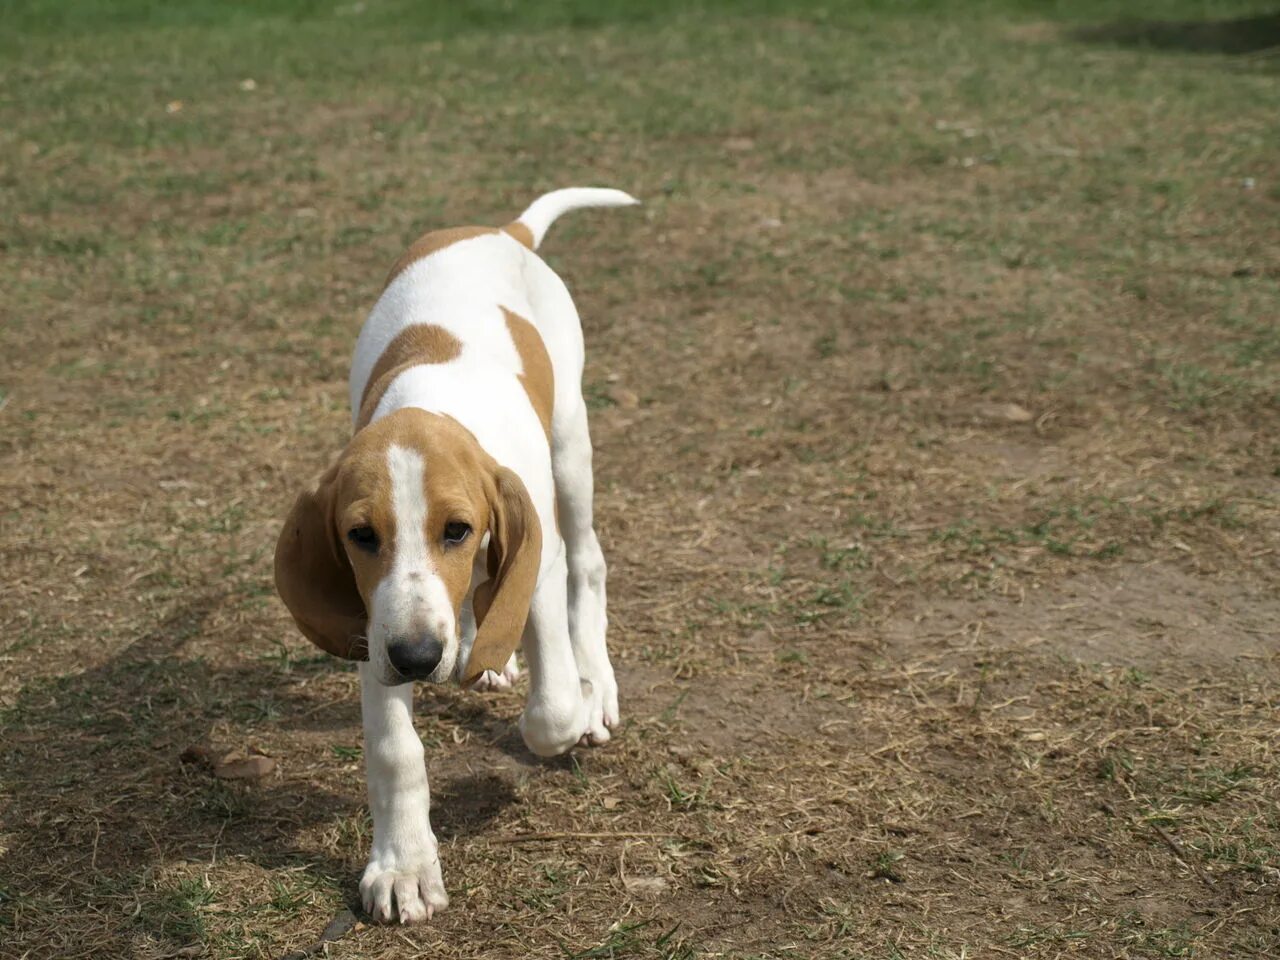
391 677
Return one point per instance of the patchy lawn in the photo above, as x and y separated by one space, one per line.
936 393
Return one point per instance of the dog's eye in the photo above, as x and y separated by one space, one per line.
455 531
366 538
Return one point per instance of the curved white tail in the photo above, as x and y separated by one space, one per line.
547 208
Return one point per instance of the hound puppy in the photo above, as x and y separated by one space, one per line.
457 521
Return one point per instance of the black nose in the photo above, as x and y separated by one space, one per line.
415 659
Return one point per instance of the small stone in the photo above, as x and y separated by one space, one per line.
243 768
624 398
1006 412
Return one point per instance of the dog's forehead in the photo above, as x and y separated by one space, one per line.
370 454
412 446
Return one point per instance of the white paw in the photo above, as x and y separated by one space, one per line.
550 730
399 890
601 696
493 682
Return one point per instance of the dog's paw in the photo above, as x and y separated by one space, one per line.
601 696
550 730
403 890
493 682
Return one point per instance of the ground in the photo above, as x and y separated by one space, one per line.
936 397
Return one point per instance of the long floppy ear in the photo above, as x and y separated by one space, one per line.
314 578
501 603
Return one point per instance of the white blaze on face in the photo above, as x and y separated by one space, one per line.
411 601
409 504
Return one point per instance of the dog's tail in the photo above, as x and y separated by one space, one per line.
532 225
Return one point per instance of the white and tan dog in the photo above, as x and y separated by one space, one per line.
457 522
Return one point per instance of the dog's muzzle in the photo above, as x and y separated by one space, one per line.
415 658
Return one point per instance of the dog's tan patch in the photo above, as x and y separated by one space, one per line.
522 233
538 379
419 344
434 242
437 240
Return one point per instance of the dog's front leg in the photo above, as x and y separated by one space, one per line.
556 715
402 881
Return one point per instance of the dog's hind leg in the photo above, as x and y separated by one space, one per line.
588 619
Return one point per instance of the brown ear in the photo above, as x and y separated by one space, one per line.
314 578
501 603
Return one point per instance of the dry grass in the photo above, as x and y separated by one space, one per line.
936 401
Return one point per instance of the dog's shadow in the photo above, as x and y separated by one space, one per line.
97 804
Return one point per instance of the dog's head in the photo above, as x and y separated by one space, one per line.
376 561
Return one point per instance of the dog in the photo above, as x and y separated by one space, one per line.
457 522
